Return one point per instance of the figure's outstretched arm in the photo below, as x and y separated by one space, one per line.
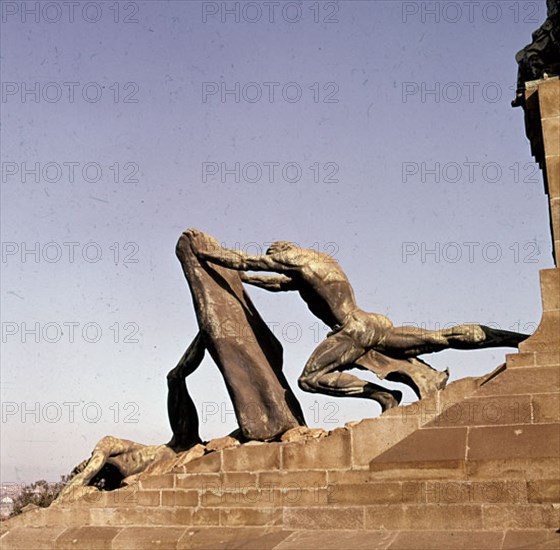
208 248
273 283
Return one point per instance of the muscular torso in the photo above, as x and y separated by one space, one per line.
325 289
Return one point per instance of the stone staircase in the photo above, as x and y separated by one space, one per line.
474 466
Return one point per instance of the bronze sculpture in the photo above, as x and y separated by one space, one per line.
355 334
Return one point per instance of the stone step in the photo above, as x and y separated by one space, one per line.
422 515
267 538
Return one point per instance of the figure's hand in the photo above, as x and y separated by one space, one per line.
201 242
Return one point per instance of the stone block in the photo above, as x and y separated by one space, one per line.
522 380
485 411
514 468
332 517
419 470
551 135
231 480
307 497
62 515
147 498
197 481
160 481
234 517
546 408
449 540
521 516
244 498
210 463
506 442
424 517
427 445
371 438
520 360
531 538
350 476
179 498
252 458
545 358
200 516
550 288
87 538
220 538
333 451
38 538
543 490
147 538
553 175
549 98
460 389
388 492
464 492
337 540
302 479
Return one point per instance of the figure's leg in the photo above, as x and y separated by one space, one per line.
180 406
412 341
321 375
421 377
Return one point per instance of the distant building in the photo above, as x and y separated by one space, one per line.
6 506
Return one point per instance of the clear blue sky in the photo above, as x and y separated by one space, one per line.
134 142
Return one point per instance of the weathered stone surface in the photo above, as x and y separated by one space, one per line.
211 462
293 479
228 538
424 517
514 468
522 516
449 539
527 441
485 411
333 451
429 444
197 481
87 538
234 517
389 492
333 517
252 458
158 481
178 497
24 538
181 459
531 539
522 381
337 540
147 538
302 433
520 359
221 443
371 437
464 492
543 490
546 408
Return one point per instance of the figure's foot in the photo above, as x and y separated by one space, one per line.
502 338
387 399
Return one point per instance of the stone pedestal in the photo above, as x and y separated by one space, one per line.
542 126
